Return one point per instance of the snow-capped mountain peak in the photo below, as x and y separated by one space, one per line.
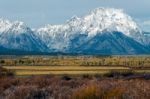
96 22
20 27
4 25
16 35
13 27
99 20
103 30
109 19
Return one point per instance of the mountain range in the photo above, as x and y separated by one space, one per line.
106 31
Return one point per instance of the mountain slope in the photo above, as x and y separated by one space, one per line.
79 31
102 31
146 39
17 36
111 43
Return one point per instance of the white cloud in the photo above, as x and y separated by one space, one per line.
145 25
146 22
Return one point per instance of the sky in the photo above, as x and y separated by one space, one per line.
37 13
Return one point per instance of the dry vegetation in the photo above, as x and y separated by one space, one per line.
60 70
70 77
6 72
70 70
83 87
74 65
126 61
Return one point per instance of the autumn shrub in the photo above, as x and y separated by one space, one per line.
6 72
95 91
55 87
91 91
29 92
115 93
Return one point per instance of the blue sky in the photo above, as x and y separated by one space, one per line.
36 13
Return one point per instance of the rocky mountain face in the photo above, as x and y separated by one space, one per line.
102 31
16 35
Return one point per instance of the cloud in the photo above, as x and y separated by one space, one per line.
146 22
145 25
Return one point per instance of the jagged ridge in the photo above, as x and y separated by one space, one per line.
79 35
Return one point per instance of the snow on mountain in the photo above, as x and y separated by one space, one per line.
16 35
15 27
58 37
103 31
4 25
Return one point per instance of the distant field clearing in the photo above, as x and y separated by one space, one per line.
61 70
62 67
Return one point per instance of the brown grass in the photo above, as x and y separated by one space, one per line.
126 61
65 87
61 70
